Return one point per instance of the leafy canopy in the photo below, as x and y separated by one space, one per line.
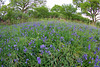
89 7
24 5
56 8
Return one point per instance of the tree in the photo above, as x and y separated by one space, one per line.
56 8
89 7
1 2
24 5
68 10
41 12
77 2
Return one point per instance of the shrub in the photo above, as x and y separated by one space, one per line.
54 14
98 24
80 18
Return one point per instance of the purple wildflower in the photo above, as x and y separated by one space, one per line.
85 56
30 43
39 60
61 38
33 41
15 45
92 58
58 49
53 31
90 38
95 52
80 61
9 54
89 47
89 62
98 49
72 39
62 45
46 48
42 46
2 66
96 60
0 35
51 46
25 49
15 60
54 48
46 51
1 59
27 59
49 52
99 64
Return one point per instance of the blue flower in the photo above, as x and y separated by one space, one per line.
95 52
51 46
26 61
9 54
25 49
0 35
89 47
90 38
30 43
39 60
49 52
2 66
85 56
58 49
15 45
42 46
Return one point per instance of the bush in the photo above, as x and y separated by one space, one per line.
54 14
41 12
15 15
80 18
98 24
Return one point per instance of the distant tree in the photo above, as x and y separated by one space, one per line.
41 12
68 10
78 2
1 3
54 15
56 8
24 5
89 7
30 13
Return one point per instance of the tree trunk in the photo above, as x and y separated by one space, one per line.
93 20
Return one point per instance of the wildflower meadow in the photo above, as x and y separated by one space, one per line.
49 44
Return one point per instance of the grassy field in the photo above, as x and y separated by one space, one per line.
49 44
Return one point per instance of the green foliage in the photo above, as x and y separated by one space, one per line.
54 14
68 10
77 2
30 13
98 24
41 12
62 16
24 5
89 7
56 8
80 18
11 15
5 10
65 45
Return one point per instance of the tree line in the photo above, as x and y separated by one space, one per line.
24 9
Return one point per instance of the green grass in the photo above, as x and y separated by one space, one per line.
55 43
